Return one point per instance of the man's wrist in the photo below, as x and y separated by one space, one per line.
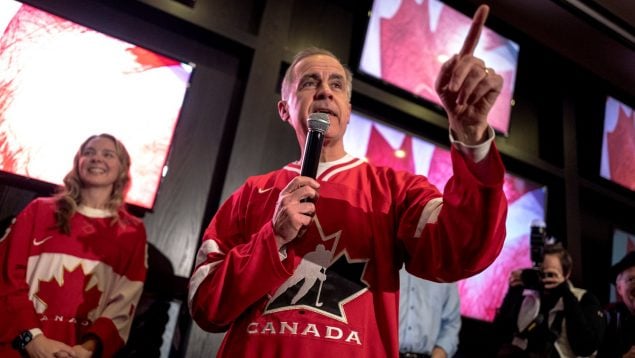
475 152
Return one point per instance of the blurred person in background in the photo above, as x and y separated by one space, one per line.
619 340
544 315
429 317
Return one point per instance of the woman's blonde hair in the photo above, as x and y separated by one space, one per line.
70 195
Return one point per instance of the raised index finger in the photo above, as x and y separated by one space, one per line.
471 40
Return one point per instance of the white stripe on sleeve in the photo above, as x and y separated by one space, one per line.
429 214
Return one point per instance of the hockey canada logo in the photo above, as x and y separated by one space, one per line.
322 283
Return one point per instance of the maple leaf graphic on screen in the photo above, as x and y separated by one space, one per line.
382 154
73 296
409 48
440 168
149 60
415 41
515 188
621 148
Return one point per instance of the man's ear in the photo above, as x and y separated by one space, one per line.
283 110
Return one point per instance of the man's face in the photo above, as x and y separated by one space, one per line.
626 288
551 266
319 85
552 272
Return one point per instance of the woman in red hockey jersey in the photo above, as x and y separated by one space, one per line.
73 265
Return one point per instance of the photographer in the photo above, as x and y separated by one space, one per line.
544 315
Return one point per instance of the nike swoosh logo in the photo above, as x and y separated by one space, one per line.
262 191
38 243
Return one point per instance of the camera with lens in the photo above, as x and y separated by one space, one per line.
532 277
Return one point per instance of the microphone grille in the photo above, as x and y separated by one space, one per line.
318 122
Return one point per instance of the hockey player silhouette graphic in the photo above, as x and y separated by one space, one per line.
312 267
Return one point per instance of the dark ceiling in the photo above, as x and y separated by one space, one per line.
622 9
599 35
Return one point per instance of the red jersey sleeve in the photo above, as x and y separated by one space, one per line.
461 233
234 269
16 310
113 325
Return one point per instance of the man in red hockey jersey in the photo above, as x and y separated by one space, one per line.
252 275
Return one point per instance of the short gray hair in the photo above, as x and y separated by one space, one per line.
308 52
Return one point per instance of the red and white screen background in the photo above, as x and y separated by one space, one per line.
407 41
61 82
618 144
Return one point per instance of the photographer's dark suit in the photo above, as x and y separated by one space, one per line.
566 323
620 331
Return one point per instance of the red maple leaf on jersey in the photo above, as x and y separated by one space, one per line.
70 298
621 148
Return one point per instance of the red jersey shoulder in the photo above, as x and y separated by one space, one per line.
48 203
43 208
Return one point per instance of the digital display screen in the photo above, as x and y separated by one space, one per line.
618 144
407 41
383 145
61 82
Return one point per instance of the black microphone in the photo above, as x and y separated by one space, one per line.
318 124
